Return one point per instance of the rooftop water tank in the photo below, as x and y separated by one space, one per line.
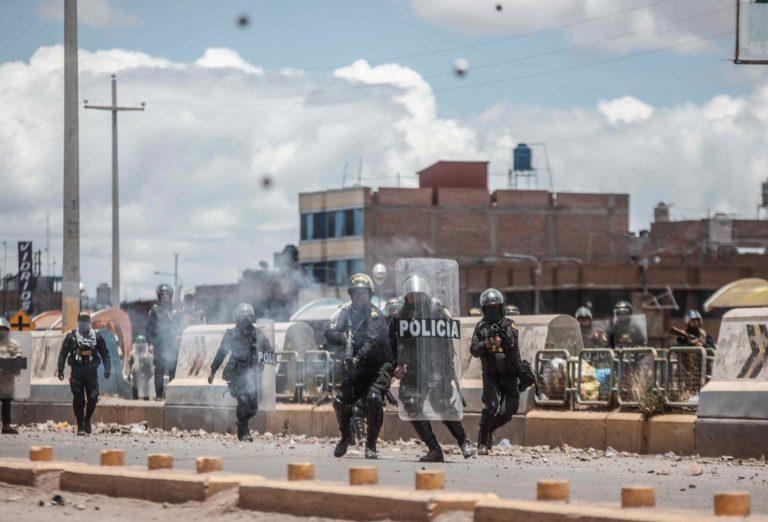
523 157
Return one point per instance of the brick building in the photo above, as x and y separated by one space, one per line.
580 241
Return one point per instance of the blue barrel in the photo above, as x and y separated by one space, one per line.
522 157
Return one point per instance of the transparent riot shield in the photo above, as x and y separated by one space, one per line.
428 334
15 365
265 372
628 332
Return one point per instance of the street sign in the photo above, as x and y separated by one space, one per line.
21 322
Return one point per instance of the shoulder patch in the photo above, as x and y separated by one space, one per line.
513 325
374 313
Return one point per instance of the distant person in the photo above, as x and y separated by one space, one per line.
511 310
189 314
624 333
249 350
140 369
9 349
84 350
694 334
161 334
591 337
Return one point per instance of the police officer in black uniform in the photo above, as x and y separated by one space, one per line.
369 370
249 350
694 333
162 331
83 349
590 336
494 342
417 304
623 333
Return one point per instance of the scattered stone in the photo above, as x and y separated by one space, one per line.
504 443
80 507
662 472
693 470
691 486
57 500
726 458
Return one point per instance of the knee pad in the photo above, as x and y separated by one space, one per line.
374 399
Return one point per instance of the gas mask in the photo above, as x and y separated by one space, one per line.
493 313
84 327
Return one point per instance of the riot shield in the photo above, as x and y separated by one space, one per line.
428 335
265 373
630 332
15 365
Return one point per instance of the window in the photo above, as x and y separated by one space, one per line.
342 272
338 218
331 224
306 226
357 229
319 225
356 265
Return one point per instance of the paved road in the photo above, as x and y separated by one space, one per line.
512 473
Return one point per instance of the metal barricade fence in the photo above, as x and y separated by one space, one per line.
685 376
640 372
554 378
595 377
286 372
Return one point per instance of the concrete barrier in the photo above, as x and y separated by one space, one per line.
582 429
24 472
323 499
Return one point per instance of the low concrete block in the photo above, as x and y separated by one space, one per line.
318 499
27 473
674 432
624 432
740 438
523 510
584 429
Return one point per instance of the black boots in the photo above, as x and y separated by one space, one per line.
435 454
244 432
341 447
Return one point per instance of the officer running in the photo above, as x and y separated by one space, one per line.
161 334
249 350
418 305
369 370
9 349
494 342
83 349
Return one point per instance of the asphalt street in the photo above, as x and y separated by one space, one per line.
511 472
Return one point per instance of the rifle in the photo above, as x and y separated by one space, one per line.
688 336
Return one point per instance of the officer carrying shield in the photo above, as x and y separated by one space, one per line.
161 334
494 342
425 367
362 329
249 350
624 333
140 368
9 350
83 349
591 337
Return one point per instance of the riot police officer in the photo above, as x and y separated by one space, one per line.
494 342
84 349
363 329
623 333
392 308
9 349
511 310
417 304
162 335
694 333
249 351
591 337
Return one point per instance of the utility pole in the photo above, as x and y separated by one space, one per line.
176 276
115 296
70 288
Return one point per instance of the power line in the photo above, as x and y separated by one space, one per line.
487 66
243 103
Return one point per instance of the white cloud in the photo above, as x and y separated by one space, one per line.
524 16
99 14
191 165
626 109
222 57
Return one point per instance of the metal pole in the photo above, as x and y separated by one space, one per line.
70 288
176 274
115 298
536 289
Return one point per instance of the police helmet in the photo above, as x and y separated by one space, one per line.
140 339
4 324
690 315
583 311
415 284
244 311
622 308
491 296
164 289
511 309
84 317
189 295
360 280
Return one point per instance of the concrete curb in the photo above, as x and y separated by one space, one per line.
524 511
22 472
333 500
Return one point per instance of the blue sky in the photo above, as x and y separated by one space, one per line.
311 34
